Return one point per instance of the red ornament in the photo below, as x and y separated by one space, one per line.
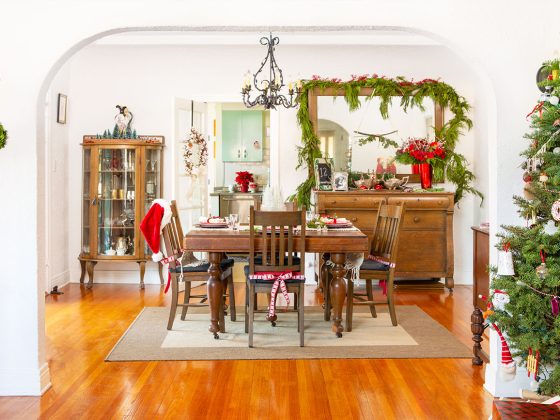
378 187
527 177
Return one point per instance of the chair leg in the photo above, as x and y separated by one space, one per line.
174 298
369 291
349 304
301 324
327 296
390 298
251 313
222 318
186 299
232 313
296 301
246 306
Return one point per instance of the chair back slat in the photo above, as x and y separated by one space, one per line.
275 236
173 238
386 234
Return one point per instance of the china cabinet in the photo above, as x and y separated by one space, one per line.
120 179
242 136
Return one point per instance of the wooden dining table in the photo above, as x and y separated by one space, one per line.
219 241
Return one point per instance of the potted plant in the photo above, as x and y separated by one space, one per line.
424 153
243 179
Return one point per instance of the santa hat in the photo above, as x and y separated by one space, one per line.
152 225
507 366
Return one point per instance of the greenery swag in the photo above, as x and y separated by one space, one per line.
455 165
3 136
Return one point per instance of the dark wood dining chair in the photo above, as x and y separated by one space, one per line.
379 265
272 250
193 271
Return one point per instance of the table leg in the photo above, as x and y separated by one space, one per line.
142 265
90 266
337 291
83 270
215 292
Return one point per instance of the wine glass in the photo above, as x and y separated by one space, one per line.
232 221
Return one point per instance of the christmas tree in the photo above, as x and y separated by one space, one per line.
529 316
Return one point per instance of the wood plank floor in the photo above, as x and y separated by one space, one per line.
83 325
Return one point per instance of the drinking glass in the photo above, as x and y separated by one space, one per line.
233 219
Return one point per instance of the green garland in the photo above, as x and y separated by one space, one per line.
3 136
411 95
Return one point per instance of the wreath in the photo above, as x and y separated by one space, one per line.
411 94
3 136
195 152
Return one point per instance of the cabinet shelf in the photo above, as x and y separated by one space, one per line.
119 171
116 227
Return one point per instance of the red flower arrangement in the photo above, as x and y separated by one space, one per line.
243 178
420 150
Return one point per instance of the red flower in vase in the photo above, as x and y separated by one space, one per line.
420 150
243 178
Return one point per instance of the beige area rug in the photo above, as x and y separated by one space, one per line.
416 336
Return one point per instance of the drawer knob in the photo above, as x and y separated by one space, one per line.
416 219
354 219
333 202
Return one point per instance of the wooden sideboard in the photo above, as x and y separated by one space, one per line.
481 278
426 239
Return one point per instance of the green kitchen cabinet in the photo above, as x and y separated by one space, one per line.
242 136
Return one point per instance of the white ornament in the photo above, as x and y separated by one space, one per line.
556 150
555 210
553 100
550 228
500 300
505 263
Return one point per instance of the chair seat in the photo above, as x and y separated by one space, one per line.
261 281
374 266
202 268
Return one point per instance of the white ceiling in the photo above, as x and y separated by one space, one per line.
377 37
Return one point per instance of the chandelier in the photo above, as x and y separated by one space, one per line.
269 95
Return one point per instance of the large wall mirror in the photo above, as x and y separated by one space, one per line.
337 127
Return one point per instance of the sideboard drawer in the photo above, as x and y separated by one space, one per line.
424 219
362 219
421 202
350 201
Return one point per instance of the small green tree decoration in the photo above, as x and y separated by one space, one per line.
3 136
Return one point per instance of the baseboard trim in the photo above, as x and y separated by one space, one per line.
121 276
60 280
24 382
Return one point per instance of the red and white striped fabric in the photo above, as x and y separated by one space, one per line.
380 260
507 366
279 279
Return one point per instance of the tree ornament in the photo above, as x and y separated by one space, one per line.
528 192
533 363
542 270
555 210
556 123
505 261
527 177
556 150
500 299
507 365
550 228
543 177
555 305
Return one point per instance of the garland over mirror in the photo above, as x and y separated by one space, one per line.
454 165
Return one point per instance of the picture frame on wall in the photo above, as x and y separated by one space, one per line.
61 108
340 181
323 174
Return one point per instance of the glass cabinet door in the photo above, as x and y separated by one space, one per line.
152 183
116 209
86 197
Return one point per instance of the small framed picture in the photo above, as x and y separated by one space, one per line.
61 111
323 174
340 181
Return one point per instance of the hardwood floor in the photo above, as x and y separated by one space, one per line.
83 325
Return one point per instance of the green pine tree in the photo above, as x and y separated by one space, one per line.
116 132
134 136
528 319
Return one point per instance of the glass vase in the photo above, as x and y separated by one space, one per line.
426 171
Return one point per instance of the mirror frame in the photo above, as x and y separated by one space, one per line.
314 93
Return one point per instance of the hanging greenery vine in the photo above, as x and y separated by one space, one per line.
3 136
411 95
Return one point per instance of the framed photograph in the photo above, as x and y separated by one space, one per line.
61 111
340 181
323 174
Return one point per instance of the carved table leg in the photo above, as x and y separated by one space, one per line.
90 266
160 272
477 328
215 292
337 291
83 272
325 286
142 265
450 283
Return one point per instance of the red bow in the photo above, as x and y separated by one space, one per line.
279 282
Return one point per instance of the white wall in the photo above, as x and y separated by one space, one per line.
503 44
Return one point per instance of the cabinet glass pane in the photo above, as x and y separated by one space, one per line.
116 202
152 186
86 201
